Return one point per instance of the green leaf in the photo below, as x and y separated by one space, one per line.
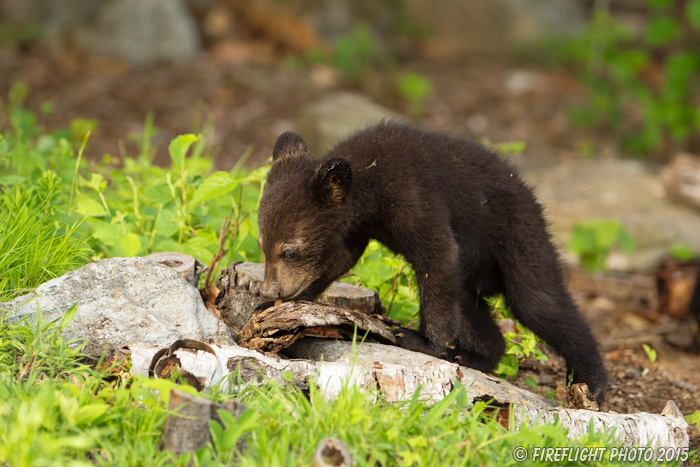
651 353
89 413
130 244
661 31
179 147
90 207
626 241
216 185
682 252
692 11
158 193
68 317
201 248
109 234
693 418
510 147
440 408
166 223
414 86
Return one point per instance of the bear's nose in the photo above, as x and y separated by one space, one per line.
270 289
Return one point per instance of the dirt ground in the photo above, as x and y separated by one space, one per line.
248 102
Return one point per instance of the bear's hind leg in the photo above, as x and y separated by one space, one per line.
480 344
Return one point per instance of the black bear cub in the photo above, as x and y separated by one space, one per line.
459 214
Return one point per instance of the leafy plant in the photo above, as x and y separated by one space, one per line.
651 353
520 344
644 86
139 208
353 53
392 277
414 88
593 240
682 252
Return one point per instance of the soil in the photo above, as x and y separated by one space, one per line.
248 101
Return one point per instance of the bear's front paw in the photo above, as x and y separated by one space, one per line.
412 340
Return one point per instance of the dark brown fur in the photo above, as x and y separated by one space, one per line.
458 213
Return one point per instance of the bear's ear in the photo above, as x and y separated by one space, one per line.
332 181
289 144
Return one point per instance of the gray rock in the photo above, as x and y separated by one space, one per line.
122 300
625 190
330 119
142 31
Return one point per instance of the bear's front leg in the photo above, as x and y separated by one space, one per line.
439 284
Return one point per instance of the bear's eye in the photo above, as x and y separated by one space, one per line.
290 255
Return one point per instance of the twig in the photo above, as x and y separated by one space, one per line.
394 288
223 233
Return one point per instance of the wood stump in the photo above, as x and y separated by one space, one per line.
239 295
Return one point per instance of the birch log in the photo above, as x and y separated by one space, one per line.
397 373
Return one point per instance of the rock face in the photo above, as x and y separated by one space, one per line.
122 300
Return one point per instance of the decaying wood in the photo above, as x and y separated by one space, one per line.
188 266
397 373
240 294
681 179
187 429
675 284
577 396
165 362
332 452
279 326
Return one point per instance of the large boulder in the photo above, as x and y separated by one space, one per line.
139 31
122 300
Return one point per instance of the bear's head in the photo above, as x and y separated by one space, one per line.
304 218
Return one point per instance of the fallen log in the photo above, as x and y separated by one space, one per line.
397 374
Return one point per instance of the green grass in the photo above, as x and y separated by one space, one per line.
37 242
57 410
